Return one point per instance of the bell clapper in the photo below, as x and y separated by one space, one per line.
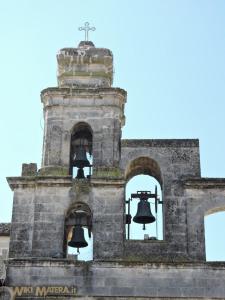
78 250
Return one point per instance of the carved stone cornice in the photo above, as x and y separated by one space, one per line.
204 183
94 96
34 181
134 143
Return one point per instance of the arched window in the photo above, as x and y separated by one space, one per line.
214 240
78 233
81 151
144 200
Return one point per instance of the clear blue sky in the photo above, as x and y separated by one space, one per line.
169 55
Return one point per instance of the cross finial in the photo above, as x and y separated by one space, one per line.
86 28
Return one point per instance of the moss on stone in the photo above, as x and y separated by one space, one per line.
95 60
129 260
86 74
106 172
81 186
53 171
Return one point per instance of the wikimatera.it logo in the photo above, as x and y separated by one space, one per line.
10 293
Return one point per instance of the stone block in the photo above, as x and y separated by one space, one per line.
29 169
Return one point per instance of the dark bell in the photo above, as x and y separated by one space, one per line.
144 214
80 174
78 240
81 160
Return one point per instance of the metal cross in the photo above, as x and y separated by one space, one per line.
86 28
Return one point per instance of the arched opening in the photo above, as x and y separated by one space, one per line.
78 242
81 151
144 213
214 223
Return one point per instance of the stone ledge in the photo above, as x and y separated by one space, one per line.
113 279
53 171
82 91
133 143
91 51
65 181
204 183
108 172
107 181
33 181
46 262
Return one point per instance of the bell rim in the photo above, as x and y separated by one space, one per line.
80 165
82 245
147 221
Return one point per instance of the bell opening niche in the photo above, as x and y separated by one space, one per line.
143 201
214 219
78 243
81 151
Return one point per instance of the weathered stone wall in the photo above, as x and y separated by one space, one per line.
168 269
4 248
176 160
22 222
102 109
108 218
108 279
85 66
39 208
41 204
203 196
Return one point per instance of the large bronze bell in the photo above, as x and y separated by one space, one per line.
144 214
78 240
81 160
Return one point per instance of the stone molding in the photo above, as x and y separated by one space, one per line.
50 92
51 181
54 262
107 181
31 182
133 143
205 183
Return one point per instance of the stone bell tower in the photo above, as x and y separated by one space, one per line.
83 118
83 111
84 95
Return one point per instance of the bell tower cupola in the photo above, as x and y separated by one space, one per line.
85 66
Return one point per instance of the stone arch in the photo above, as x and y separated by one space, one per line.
81 136
203 200
81 125
143 165
214 221
79 213
215 209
